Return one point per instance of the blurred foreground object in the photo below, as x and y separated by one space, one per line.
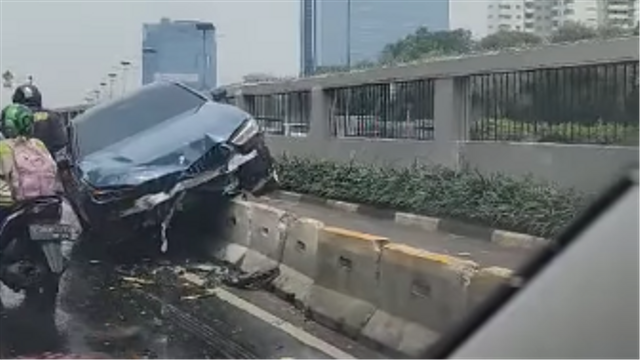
590 307
51 356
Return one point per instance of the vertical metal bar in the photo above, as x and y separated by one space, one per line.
484 100
431 107
348 37
573 94
496 105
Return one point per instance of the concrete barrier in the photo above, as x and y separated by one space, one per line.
484 282
268 228
254 236
421 294
346 284
236 235
298 267
391 295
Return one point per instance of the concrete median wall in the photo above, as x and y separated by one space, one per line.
393 296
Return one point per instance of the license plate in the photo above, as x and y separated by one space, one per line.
48 232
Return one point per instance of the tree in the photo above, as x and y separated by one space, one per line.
612 32
508 39
343 68
424 42
572 32
261 77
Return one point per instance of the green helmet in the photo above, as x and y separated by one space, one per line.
17 120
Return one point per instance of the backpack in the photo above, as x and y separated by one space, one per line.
35 171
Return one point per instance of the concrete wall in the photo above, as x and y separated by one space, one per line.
585 167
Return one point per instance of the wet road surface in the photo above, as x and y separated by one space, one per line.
151 311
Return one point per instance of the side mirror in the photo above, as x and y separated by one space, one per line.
62 160
219 95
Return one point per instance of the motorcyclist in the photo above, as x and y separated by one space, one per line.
17 123
50 127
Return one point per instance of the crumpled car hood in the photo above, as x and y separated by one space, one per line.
169 147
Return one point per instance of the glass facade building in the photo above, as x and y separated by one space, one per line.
347 32
182 50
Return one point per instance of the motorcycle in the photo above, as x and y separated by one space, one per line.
35 249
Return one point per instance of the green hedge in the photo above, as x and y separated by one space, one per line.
497 201
567 133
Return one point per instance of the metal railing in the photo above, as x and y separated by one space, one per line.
397 110
593 104
285 114
583 93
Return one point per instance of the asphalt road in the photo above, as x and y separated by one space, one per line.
145 312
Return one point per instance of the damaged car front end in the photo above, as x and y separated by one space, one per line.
141 158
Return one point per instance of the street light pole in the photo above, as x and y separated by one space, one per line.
125 68
103 86
204 27
348 34
112 78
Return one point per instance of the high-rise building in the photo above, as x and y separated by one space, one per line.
543 16
508 15
182 51
347 32
622 13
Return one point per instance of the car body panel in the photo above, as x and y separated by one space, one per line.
156 143
170 146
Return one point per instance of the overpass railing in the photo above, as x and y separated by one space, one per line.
578 93
72 111
564 113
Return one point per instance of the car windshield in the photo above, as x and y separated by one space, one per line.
114 121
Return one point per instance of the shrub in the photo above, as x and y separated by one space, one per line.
567 133
496 201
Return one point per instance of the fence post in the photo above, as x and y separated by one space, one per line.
240 100
451 111
319 127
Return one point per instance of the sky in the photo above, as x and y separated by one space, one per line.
70 46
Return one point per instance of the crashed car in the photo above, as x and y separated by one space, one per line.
140 157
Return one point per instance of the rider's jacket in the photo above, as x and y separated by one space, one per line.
51 129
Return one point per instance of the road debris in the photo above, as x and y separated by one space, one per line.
196 281
193 279
252 281
135 280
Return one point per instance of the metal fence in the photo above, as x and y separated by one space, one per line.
577 93
285 114
397 110
594 104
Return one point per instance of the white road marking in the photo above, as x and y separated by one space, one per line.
281 324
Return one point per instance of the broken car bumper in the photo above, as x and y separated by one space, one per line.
150 201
